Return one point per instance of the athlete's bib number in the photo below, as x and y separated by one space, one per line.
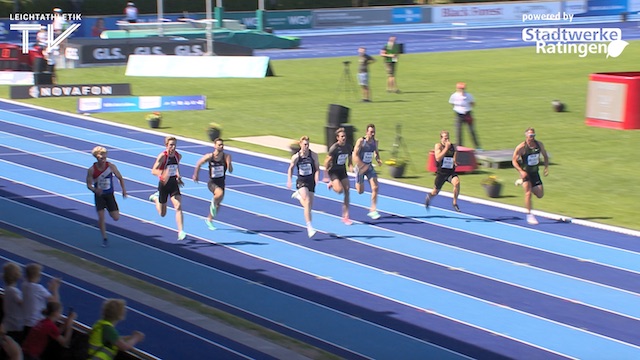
218 171
533 159
342 159
305 170
447 163
104 183
367 157
172 170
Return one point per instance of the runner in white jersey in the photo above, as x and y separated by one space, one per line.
100 182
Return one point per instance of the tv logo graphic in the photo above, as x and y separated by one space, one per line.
52 42
581 41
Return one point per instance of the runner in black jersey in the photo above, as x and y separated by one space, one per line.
336 162
307 164
446 155
526 159
219 163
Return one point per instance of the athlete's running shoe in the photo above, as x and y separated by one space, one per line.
347 221
374 215
311 231
105 243
532 219
209 224
427 201
153 197
296 195
456 208
181 235
518 182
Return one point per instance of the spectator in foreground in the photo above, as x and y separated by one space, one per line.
9 348
104 340
35 296
13 321
38 338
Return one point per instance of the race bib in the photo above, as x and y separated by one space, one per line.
218 171
305 169
104 183
533 159
367 157
342 159
172 170
447 163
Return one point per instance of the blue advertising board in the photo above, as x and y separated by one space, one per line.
142 103
605 7
406 15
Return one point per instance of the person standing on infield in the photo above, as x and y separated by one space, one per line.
365 151
526 160
336 162
390 53
446 157
100 182
308 166
463 102
363 73
169 182
219 163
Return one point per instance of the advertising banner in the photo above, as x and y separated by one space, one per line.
406 15
278 20
16 78
348 17
90 51
493 11
142 103
198 66
42 91
606 7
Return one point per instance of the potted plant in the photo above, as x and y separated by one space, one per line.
492 185
294 147
214 131
154 119
396 167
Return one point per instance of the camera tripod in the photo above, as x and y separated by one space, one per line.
399 148
346 84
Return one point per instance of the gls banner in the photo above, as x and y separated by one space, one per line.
110 52
42 91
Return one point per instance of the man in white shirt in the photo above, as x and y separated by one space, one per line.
463 103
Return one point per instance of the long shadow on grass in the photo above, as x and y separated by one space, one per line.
389 101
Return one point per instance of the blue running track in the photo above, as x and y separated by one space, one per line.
413 284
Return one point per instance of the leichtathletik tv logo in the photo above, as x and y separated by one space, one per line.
579 41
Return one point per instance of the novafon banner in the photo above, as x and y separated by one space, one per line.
42 91
142 103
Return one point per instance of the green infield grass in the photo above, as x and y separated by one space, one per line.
592 172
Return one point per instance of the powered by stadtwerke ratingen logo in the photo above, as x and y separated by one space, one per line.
580 41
